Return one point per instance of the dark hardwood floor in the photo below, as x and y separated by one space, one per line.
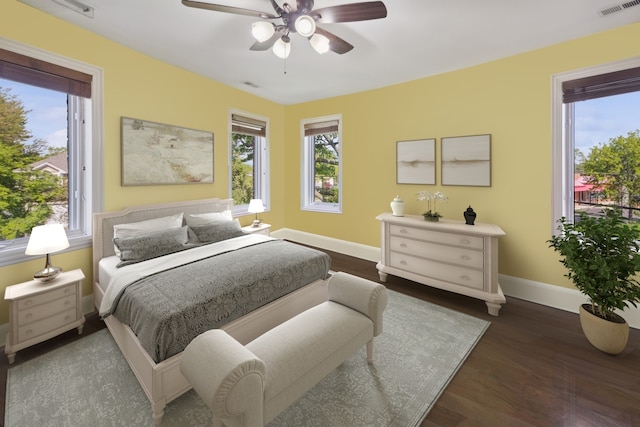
533 366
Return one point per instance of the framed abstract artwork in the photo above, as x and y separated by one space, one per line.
161 154
416 161
466 160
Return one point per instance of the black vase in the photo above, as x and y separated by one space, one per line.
469 216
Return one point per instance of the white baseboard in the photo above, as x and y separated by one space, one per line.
537 292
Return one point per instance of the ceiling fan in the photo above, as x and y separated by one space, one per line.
302 20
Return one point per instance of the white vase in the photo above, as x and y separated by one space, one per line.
397 206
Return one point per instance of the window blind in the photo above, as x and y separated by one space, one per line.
614 83
320 127
35 72
248 125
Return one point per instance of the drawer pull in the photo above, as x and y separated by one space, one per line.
403 262
67 317
28 302
465 257
28 316
67 303
465 241
465 277
66 291
29 332
403 245
403 231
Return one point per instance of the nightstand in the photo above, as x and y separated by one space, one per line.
41 310
263 228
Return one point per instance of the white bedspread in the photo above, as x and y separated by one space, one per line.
131 273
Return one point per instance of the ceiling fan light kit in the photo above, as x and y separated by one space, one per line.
302 20
262 31
282 48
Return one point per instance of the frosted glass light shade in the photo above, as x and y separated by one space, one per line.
262 31
282 49
305 25
319 43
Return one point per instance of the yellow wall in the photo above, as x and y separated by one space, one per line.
510 99
138 86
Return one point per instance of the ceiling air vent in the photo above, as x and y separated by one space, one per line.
618 7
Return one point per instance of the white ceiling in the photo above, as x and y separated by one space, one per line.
418 38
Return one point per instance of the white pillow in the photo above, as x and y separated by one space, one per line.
134 229
195 220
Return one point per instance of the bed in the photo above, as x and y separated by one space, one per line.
155 361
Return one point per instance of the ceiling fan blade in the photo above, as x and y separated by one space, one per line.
267 44
351 12
228 9
336 44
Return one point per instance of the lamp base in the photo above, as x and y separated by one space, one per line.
47 274
256 223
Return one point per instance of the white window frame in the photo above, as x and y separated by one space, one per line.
562 138
307 190
261 189
85 169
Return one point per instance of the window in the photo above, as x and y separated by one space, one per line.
577 184
321 164
48 179
249 162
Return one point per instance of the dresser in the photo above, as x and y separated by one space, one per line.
41 310
447 254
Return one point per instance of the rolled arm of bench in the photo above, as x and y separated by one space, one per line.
365 296
228 377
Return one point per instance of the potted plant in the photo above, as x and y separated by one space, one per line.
431 198
602 256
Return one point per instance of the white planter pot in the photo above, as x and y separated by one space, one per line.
607 336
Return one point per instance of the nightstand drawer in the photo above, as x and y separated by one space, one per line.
36 313
46 325
45 297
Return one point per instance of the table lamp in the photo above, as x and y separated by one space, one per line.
45 240
255 206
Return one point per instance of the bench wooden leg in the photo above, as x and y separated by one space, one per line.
370 352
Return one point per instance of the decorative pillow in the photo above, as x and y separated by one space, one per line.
195 220
151 245
134 229
217 231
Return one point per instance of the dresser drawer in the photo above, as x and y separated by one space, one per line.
36 313
450 254
45 297
462 240
466 277
45 325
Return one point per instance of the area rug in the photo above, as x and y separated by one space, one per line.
88 382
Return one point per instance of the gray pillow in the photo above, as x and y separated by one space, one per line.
151 245
217 231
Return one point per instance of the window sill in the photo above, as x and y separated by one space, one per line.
14 254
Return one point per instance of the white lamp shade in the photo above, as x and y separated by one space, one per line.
255 206
47 239
262 31
305 25
282 49
319 43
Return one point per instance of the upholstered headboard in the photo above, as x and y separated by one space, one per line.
103 222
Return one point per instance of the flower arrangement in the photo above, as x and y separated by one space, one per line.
431 198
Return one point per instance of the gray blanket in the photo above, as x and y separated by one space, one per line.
167 310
